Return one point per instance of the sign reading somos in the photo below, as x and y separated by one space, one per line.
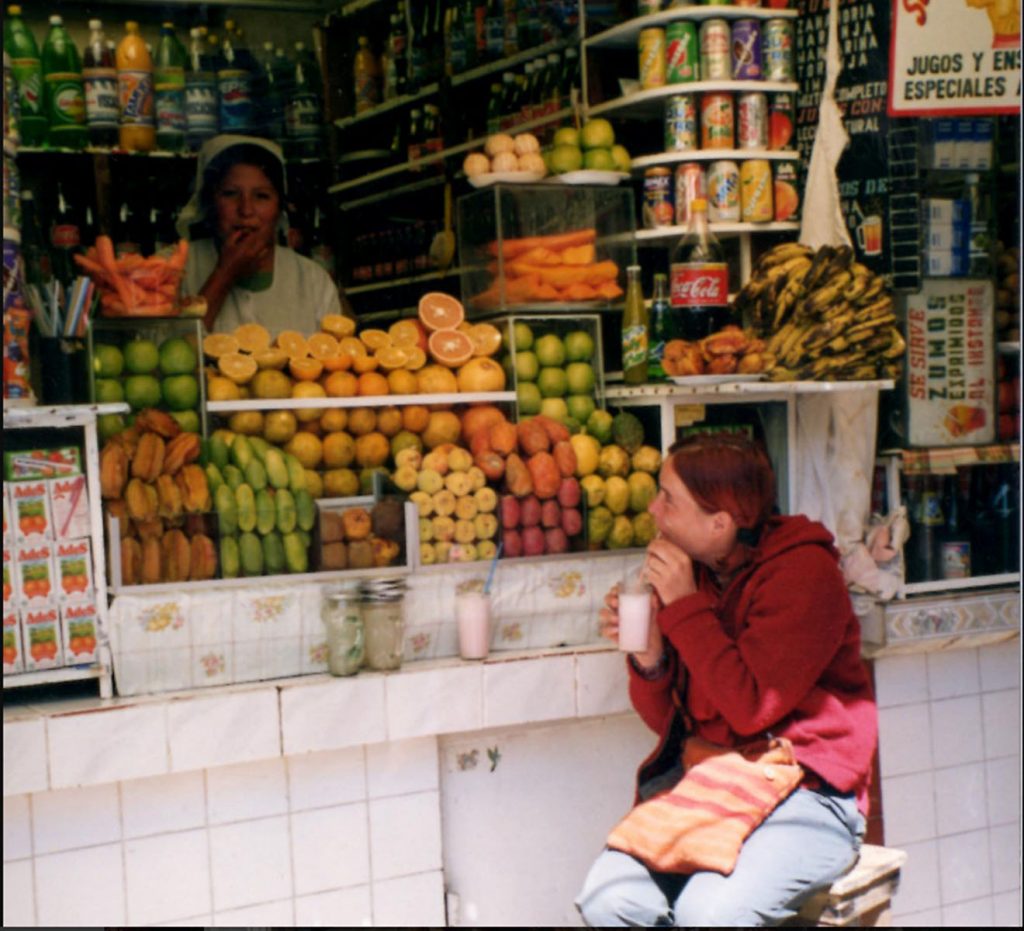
954 57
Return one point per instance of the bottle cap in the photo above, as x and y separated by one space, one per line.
632 268
698 203
131 26
14 10
56 20
95 24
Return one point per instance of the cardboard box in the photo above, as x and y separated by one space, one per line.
35 583
79 625
30 506
14 661
28 464
11 588
8 525
69 507
72 560
40 634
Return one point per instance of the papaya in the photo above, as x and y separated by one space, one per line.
578 255
601 272
230 560
241 451
296 556
227 509
233 476
579 292
245 502
287 518
255 474
510 248
266 513
609 291
542 255
305 510
250 554
277 469
273 554
296 473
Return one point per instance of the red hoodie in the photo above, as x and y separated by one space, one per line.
777 650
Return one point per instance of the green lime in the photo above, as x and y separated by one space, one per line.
555 408
108 425
177 357
581 406
563 158
580 376
597 134
522 336
107 360
553 383
141 391
141 356
527 366
598 160
109 391
187 420
528 395
579 346
567 135
550 350
180 392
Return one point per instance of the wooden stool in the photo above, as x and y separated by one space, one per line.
861 897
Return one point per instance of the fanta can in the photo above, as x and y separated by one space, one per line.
135 92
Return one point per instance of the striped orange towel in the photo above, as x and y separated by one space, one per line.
701 824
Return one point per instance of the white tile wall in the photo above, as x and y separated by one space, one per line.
330 848
399 768
405 834
455 702
93 810
1004 847
336 714
250 862
25 762
97 876
960 802
1001 716
265 915
976 914
341 908
956 730
17 828
909 808
1006 910
904 739
161 804
224 729
964 867
952 673
602 684
529 690
901 680
19 901
246 791
167 877
318 780
1000 666
410 901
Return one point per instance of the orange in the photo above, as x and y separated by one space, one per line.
415 418
341 385
271 358
311 426
308 389
307 448
339 449
337 363
486 339
372 450
391 357
402 382
375 339
322 345
334 419
252 337
338 325
352 346
389 421
219 388
450 347
362 364
219 344
436 379
362 420
292 342
417 358
305 369
405 333
237 367
372 384
439 311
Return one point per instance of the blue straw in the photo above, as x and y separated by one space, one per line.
494 565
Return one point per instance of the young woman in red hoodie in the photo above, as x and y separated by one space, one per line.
756 631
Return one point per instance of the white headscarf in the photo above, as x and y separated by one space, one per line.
193 212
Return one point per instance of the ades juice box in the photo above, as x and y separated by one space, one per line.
69 507
31 506
10 579
13 659
40 631
72 561
35 574
78 629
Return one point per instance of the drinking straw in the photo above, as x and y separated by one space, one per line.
494 565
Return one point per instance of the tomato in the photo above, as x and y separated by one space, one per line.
10 655
44 587
51 649
38 652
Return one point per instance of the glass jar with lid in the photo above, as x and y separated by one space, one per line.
341 613
383 613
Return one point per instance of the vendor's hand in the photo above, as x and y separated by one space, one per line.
669 570
609 627
243 254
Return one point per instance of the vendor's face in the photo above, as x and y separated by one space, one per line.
247 201
703 535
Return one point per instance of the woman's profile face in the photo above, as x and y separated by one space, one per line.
681 520
247 201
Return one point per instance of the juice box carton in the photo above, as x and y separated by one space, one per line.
69 507
28 464
79 622
40 634
72 561
11 591
14 661
35 574
31 506
8 525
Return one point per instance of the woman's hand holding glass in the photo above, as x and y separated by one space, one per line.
608 618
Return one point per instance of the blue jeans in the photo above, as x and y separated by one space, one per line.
810 839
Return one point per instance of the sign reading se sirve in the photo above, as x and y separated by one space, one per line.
954 57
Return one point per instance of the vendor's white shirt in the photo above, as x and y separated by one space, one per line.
299 296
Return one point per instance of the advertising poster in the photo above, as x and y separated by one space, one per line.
950 368
955 57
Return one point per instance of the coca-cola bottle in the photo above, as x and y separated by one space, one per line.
699 278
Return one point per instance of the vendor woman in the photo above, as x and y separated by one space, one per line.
236 220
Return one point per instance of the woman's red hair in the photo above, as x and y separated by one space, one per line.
727 472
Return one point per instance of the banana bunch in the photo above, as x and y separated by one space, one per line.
822 316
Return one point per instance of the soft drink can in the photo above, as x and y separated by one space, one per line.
715 62
752 121
780 121
681 134
690 183
756 191
746 50
683 54
643 7
786 192
652 58
777 50
716 122
723 192
658 210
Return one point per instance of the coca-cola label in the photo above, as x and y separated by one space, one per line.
699 284
65 236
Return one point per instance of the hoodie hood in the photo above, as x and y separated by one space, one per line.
783 533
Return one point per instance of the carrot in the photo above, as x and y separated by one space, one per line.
177 260
90 266
129 262
105 254
512 248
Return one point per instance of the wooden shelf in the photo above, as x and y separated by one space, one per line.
713 155
661 233
646 104
626 35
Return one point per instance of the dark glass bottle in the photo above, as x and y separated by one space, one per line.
660 331
956 538
926 524
35 255
65 235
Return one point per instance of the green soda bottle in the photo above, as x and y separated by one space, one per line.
169 85
63 90
20 45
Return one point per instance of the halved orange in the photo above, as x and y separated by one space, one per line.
417 358
219 344
486 339
450 347
305 369
440 311
352 346
465 326
322 345
338 325
362 364
375 339
341 385
271 358
405 333
252 337
238 367
292 342
391 357
337 363
372 384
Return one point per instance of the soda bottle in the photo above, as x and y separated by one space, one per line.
454 41
699 278
494 110
479 27
634 330
135 91
365 73
273 100
169 86
20 45
510 42
398 43
302 112
419 53
467 17
659 329
63 93
100 78
35 255
495 30
129 237
956 538
65 236
234 84
201 107
570 74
